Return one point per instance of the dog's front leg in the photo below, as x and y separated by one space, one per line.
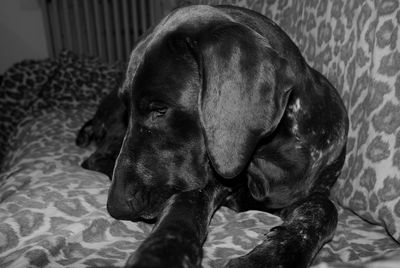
308 224
177 239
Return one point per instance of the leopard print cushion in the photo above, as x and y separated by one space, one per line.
78 80
356 44
53 212
19 87
30 86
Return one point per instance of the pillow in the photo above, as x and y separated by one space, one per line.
19 88
30 87
79 80
370 74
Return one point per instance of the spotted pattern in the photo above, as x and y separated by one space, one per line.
32 86
53 212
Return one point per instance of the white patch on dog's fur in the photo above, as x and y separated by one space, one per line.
296 106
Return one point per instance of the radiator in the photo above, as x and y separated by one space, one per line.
107 29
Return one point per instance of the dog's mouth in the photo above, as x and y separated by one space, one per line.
145 214
148 204
148 216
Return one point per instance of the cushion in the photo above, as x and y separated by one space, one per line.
19 88
31 86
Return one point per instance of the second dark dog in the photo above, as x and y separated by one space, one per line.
107 129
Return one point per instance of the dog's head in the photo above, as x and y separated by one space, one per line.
201 90
107 129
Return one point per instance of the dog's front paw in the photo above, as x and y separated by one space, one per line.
146 260
241 262
255 261
260 262
276 251
161 252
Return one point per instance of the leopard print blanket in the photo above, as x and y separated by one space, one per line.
53 213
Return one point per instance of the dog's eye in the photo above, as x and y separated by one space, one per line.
159 109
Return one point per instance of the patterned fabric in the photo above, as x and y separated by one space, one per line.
30 86
19 87
53 213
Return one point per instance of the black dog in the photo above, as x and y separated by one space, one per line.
107 129
223 110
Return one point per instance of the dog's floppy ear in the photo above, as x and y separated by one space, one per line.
246 86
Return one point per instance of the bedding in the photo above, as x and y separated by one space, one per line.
53 214
52 211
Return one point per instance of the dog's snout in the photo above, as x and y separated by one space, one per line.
118 209
117 203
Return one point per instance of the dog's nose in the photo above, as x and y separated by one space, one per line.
118 210
117 203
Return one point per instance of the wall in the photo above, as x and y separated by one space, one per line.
22 33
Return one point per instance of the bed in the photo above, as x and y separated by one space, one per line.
52 211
